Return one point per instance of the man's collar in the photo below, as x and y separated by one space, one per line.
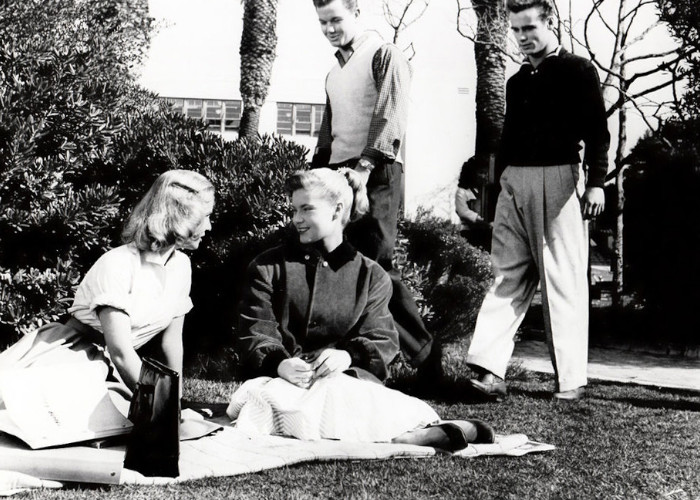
554 53
344 54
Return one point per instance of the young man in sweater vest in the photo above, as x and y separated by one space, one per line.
540 234
363 128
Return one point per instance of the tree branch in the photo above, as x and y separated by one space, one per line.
660 68
650 56
472 37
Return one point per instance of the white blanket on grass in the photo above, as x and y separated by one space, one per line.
229 452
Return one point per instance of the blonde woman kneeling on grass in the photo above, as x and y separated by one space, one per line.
316 333
134 293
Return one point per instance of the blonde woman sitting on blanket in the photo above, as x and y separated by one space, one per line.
316 332
134 293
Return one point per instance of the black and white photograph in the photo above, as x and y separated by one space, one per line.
362 249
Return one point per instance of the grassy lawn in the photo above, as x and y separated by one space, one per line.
621 441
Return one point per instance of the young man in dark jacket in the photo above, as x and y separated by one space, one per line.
540 234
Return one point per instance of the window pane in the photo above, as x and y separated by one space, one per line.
284 118
193 108
303 119
212 114
233 115
213 110
194 112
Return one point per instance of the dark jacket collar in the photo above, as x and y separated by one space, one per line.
336 259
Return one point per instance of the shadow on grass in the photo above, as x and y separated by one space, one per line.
207 410
656 404
650 397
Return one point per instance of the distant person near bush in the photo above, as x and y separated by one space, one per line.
473 203
134 294
364 128
552 104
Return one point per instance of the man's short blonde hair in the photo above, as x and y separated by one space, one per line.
349 4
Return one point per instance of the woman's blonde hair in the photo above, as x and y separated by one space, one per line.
343 185
170 211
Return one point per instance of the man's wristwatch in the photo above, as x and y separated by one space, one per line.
366 164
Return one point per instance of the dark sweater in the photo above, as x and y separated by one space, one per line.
550 110
301 300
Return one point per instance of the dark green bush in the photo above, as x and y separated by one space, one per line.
65 93
662 231
450 276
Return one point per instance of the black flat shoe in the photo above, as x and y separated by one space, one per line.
463 432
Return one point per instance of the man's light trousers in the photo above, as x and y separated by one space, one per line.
539 236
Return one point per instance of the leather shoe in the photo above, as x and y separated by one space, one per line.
462 432
569 395
489 387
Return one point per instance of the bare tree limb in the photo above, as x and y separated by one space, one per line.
641 36
659 69
652 89
472 36
651 56
596 10
633 12
399 22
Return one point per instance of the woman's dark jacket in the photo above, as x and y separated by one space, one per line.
300 300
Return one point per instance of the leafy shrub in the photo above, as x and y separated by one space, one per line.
662 231
65 94
449 275
80 142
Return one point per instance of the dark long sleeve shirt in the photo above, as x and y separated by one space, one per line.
301 300
392 76
550 110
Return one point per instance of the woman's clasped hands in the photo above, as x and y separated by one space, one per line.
303 373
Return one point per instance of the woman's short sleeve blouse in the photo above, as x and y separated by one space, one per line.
151 288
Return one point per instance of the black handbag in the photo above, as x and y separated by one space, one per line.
153 448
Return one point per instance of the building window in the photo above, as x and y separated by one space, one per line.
193 108
220 115
213 113
299 119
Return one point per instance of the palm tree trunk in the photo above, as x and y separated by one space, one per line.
258 50
491 32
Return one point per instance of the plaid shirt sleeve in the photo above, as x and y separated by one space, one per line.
392 75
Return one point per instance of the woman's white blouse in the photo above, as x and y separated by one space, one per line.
151 288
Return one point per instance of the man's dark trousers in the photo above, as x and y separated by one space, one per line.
375 236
